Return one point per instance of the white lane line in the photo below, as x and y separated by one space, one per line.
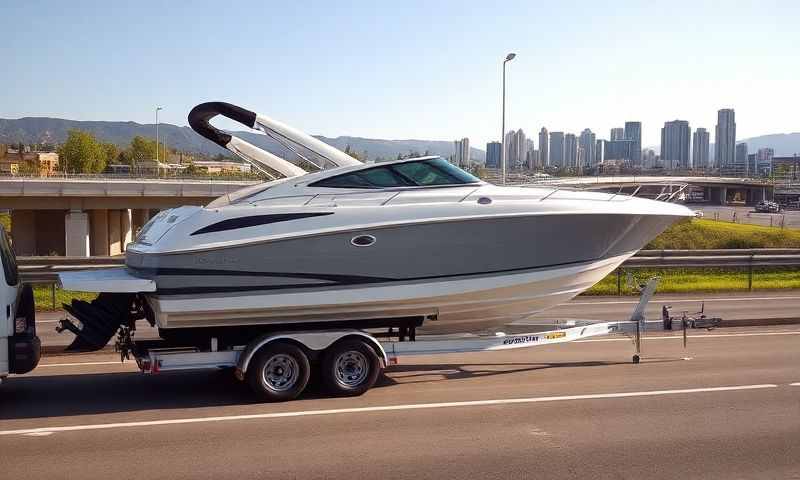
683 300
796 384
77 364
385 408
698 336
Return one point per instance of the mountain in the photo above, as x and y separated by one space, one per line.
784 144
31 130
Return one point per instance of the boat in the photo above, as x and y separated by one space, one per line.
413 245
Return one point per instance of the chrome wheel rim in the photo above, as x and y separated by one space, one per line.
281 372
351 368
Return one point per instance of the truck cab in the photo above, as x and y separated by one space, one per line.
20 348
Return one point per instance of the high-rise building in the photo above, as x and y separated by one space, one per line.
618 150
764 157
544 157
461 157
599 149
617 134
648 158
725 138
752 164
741 156
493 155
588 142
557 149
700 148
529 160
516 149
570 150
675 144
633 133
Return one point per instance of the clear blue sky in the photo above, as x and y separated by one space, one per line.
408 69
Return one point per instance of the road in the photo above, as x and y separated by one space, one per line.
728 306
789 218
729 407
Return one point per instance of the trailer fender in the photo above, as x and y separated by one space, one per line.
314 341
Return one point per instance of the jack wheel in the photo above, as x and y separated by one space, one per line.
636 359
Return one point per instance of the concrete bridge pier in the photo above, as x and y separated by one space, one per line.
99 236
76 232
139 217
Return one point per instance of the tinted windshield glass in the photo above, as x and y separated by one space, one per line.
7 258
435 171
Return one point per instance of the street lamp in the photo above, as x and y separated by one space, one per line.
157 109
509 57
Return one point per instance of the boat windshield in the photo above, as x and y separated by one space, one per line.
422 173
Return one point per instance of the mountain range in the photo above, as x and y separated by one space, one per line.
31 130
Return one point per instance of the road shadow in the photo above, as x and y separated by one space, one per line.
107 393
458 371
98 393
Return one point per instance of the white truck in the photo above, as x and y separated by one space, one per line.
19 345
278 365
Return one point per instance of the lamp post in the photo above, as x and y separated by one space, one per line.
157 109
509 57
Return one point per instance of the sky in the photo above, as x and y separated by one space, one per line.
408 69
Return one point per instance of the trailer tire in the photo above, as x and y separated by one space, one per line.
350 368
279 372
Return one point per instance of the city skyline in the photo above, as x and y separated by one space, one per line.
367 89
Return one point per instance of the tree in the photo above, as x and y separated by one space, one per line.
82 153
112 152
144 149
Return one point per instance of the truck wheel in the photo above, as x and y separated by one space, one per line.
279 372
350 368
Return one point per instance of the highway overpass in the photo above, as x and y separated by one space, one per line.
96 215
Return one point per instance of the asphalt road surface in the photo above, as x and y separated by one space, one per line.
728 306
728 407
788 218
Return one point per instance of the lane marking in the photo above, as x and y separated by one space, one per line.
699 336
682 300
796 384
385 408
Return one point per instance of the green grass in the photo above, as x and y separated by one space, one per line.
688 280
699 234
43 297
5 221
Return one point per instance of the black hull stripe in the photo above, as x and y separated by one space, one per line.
254 220
340 280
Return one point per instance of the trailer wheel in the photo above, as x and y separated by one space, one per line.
279 372
350 368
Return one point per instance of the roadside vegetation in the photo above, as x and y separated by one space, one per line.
43 297
687 280
699 234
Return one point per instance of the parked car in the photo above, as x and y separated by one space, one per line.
768 207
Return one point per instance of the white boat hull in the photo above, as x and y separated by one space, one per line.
460 305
